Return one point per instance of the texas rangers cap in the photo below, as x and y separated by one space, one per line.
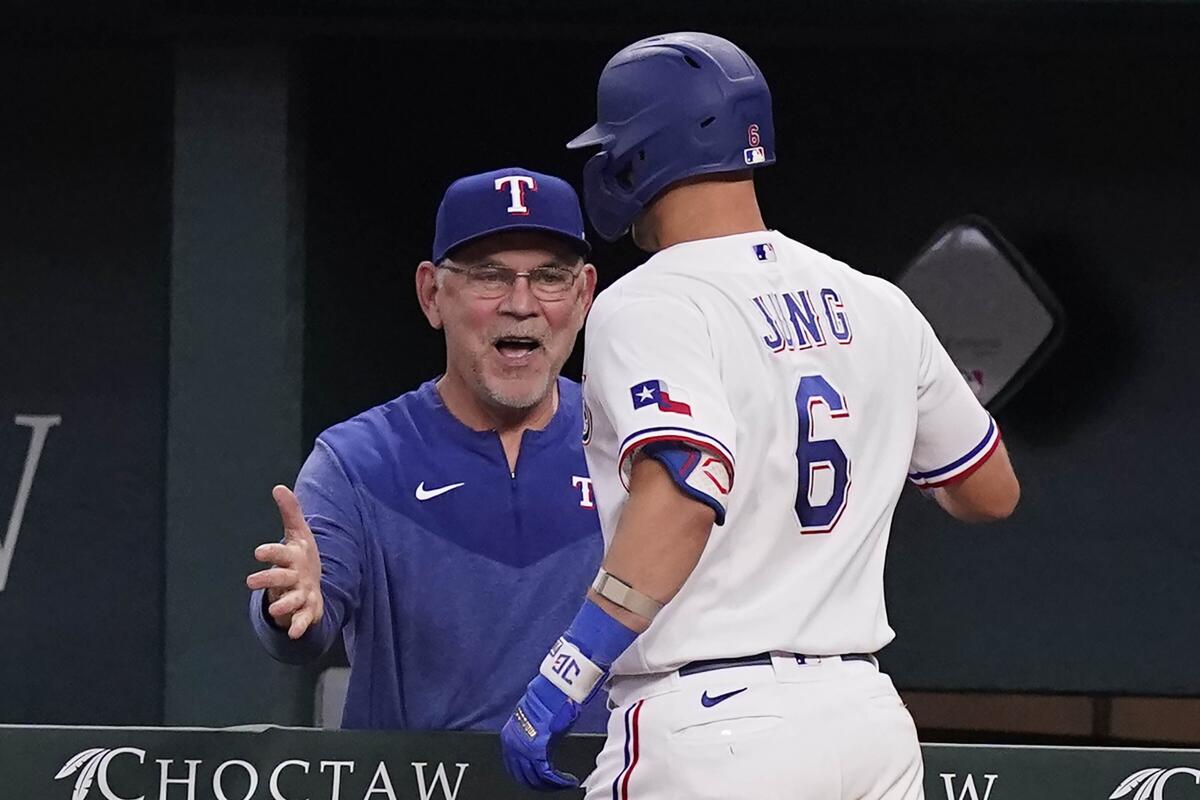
512 199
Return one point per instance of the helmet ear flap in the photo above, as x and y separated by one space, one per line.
610 206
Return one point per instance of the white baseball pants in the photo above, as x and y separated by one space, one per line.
822 730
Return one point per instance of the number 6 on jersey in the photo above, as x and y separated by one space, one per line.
815 456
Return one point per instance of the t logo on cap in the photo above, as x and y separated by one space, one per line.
516 191
471 209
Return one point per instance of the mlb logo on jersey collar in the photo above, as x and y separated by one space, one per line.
764 252
655 393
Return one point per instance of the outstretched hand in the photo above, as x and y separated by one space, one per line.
293 582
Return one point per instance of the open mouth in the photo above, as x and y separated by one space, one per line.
516 347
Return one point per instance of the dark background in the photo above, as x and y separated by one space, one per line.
1070 126
84 246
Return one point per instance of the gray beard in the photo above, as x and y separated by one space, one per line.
522 402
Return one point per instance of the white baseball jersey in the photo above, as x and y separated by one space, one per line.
813 390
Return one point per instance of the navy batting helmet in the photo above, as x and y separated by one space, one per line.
670 107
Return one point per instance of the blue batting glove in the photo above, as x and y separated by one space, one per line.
569 675
541 716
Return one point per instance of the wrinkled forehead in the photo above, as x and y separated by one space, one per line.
518 250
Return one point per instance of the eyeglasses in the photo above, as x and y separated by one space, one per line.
490 282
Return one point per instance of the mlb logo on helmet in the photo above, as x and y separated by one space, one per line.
755 155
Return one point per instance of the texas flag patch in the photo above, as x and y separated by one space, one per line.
656 393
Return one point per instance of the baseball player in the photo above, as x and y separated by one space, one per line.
754 407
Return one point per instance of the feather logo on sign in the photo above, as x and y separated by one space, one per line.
85 763
1151 782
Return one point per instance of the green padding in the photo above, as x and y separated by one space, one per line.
204 764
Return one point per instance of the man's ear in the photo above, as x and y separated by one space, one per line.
589 287
427 291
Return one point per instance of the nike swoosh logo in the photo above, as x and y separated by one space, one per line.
429 494
709 702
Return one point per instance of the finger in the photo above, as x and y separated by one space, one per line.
274 578
290 603
527 773
547 778
562 779
290 514
512 767
300 623
278 554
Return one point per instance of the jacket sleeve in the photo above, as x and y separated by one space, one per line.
330 504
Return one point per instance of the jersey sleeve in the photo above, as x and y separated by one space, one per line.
955 434
328 500
651 369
